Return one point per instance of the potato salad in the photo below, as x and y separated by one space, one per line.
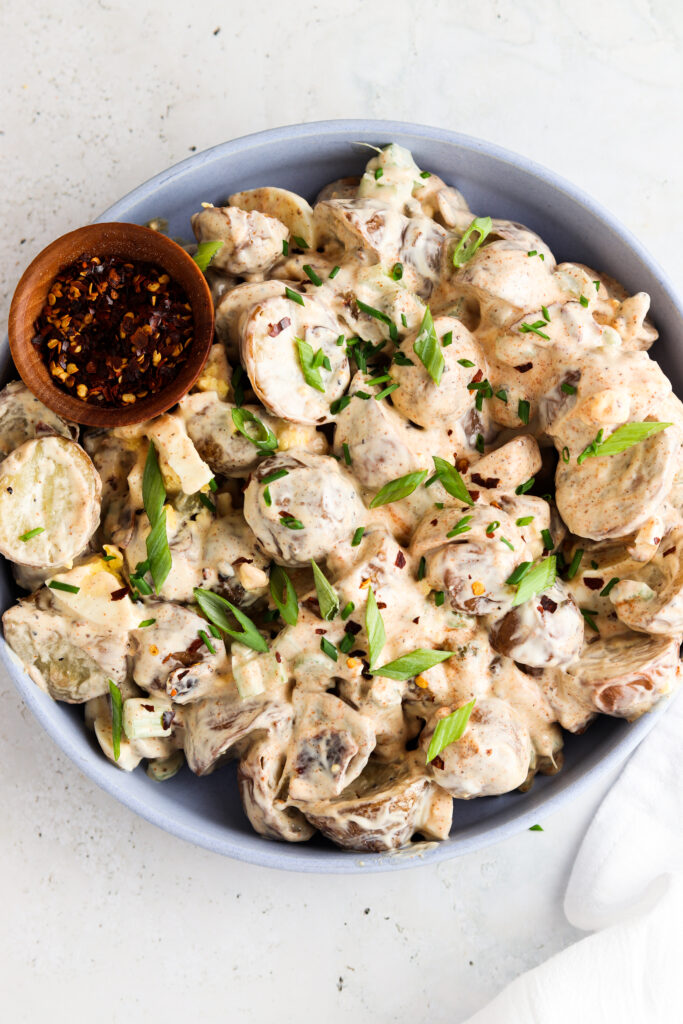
420 514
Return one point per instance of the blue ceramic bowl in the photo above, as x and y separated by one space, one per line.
303 158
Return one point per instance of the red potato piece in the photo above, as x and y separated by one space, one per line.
23 417
259 777
656 607
546 630
216 728
493 756
383 809
287 207
252 242
625 675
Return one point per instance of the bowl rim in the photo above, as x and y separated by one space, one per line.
336 861
108 237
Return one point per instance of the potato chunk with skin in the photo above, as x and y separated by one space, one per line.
210 424
23 417
650 599
216 728
252 241
330 747
473 565
69 658
314 507
610 496
271 357
625 675
384 808
259 776
546 630
169 644
287 207
493 755
48 484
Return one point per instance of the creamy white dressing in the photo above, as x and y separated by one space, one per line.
527 353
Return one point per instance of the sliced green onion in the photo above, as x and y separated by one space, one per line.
467 246
309 368
548 543
357 536
526 486
300 242
588 616
612 583
387 391
397 271
536 580
116 718
145 623
507 543
311 275
410 665
347 609
379 315
328 599
333 273
427 349
546 314
451 480
284 595
374 628
568 389
276 475
205 253
294 296
439 598
460 527
523 408
519 573
291 522
285 247
206 501
215 608
583 300
30 534
264 439
534 328
574 564
479 444
623 437
466 363
397 489
421 568
401 359
447 339
347 453
205 640
524 520
449 730
502 395
339 404
327 648
267 497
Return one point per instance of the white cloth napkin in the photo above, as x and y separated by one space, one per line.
627 888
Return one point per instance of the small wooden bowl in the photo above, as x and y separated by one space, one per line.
131 242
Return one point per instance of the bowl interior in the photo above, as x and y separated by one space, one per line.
128 241
303 158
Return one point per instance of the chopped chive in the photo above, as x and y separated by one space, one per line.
583 300
339 404
588 616
438 504
546 314
439 598
347 643
479 445
146 622
34 533
205 640
534 328
568 389
397 271
300 242
291 523
206 501
532 252
347 609
277 475
574 564
333 273
425 174
379 380
362 394
594 564
107 558
213 486
404 320
526 486
460 527
401 359
311 275
612 583
285 247
547 540
421 568
294 296
214 631
378 173
502 395
535 828
492 527
447 339
466 362
267 499
347 453
524 521
327 648
597 285
507 543
357 536
340 340
523 408
519 573
68 587
565 454
387 391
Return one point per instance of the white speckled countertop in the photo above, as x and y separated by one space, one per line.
104 916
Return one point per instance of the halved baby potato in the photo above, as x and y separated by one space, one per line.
23 417
290 209
48 484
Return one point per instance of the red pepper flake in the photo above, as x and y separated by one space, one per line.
167 719
147 707
381 605
400 560
461 464
524 367
321 632
118 595
547 604
474 495
489 481
477 377
353 628
593 582
670 551
278 657
278 328
112 332
438 762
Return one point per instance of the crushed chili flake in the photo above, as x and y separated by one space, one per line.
593 582
547 604
400 560
353 628
524 367
113 331
669 552
118 595
477 377
489 481
278 657
275 329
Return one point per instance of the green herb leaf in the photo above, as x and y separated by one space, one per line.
329 649
397 489
34 533
410 665
205 253
294 296
328 599
116 718
460 527
284 595
153 489
451 480
475 236
307 359
622 438
449 730
428 350
374 627
300 242
347 609
68 588
311 275
357 536
215 608
264 439
205 640
523 408
536 580
536 828
145 623
158 552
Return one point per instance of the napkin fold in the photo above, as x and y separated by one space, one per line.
626 887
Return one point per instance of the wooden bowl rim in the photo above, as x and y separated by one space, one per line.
124 239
